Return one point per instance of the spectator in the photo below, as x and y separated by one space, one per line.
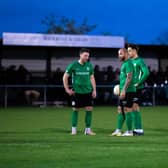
31 96
2 75
110 75
23 75
98 75
117 75
57 77
11 75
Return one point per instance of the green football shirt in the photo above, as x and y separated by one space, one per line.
80 74
141 72
127 67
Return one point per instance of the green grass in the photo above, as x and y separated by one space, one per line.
40 138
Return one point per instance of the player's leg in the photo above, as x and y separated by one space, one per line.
137 120
74 120
75 110
138 130
88 102
88 120
128 120
128 114
120 122
120 117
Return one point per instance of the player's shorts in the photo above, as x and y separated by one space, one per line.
82 100
128 100
138 96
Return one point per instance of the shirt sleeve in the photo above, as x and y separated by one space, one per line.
129 67
69 69
91 69
145 72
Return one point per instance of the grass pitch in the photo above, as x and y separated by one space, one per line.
40 138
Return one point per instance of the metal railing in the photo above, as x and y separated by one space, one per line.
45 87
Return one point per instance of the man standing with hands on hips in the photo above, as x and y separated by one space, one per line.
83 89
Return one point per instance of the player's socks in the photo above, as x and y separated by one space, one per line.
137 120
139 124
128 117
120 121
74 118
88 119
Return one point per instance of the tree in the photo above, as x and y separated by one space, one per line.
162 39
64 25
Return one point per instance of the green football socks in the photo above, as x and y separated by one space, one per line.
88 119
128 117
74 118
137 119
120 120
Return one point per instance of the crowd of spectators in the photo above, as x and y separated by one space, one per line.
106 76
14 75
103 76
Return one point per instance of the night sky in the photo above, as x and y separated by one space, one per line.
141 21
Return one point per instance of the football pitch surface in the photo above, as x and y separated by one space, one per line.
40 138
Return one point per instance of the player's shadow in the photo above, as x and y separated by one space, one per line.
45 130
103 130
54 130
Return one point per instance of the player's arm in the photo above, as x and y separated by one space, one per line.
127 83
145 73
66 85
93 82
